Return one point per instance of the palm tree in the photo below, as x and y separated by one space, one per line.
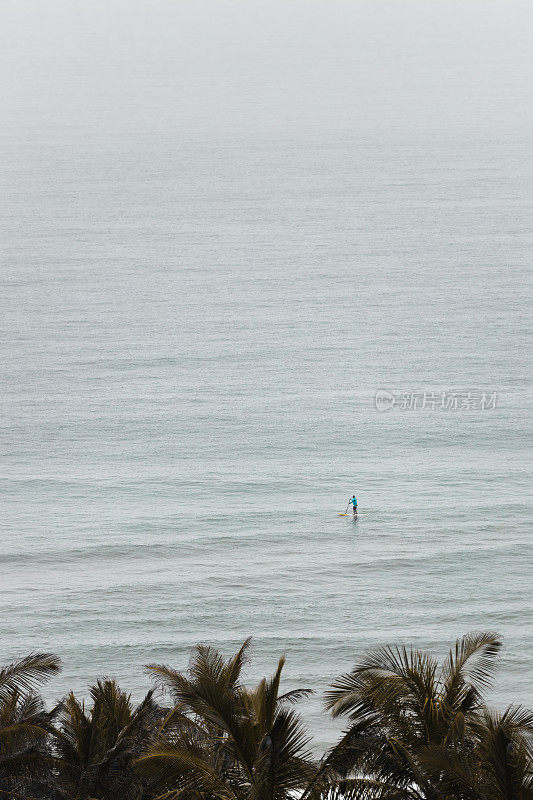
226 741
96 748
24 725
505 744
409 722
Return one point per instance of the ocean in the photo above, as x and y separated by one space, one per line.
225 228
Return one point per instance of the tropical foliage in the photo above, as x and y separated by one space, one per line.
225 740
25 759
418 731
414 730
97 748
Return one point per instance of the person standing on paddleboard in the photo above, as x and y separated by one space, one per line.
353 502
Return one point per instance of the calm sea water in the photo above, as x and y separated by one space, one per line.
225 227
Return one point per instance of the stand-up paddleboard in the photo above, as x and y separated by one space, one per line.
350 514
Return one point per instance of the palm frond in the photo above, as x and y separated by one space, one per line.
234 666
266 699
381 679
183 769
25 675
212 693
294 696
283 764
368 789
470 664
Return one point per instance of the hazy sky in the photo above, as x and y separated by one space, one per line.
403 56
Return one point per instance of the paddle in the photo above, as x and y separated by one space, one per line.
346 512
